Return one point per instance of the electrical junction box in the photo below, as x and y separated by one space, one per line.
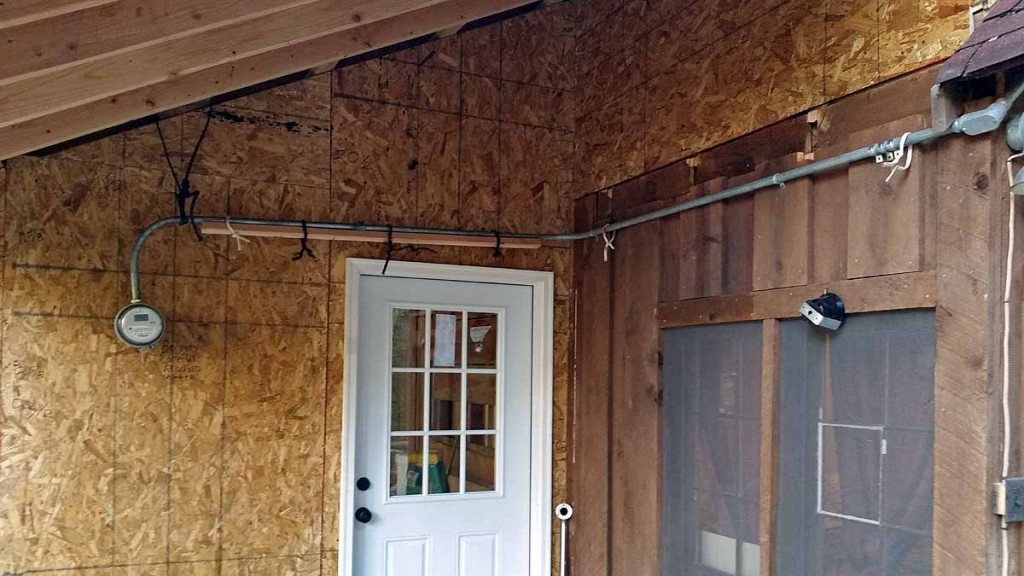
1009 500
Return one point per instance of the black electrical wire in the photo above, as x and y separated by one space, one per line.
391 248
184 196
303 246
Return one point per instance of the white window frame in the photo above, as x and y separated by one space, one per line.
541 398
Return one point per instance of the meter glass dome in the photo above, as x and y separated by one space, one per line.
139 325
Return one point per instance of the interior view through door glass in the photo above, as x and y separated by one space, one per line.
445 377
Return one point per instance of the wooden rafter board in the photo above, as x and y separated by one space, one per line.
113 69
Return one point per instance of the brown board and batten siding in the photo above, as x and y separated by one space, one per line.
933 238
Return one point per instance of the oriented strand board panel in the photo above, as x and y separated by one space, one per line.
267 453
535 199
57 497
707 72
851 45
59 213
197 405
219 451
373 149
479 180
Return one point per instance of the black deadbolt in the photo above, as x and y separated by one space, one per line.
363 515
363 484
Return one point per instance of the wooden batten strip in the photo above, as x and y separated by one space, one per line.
894 292
71 123
272 231
769 443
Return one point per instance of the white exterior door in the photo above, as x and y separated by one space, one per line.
441 475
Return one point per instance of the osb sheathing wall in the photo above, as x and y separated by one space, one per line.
218 452
659 80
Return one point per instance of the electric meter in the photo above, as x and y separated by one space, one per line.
139 325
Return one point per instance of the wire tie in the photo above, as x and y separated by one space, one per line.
303 246
778 182
234 234
391 245
609 241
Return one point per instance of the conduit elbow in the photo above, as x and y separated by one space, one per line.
982 121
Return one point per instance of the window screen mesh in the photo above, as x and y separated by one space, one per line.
855 447
711 447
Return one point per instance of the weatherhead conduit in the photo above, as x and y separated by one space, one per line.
971 124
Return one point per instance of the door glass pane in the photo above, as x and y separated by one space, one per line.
406 402
445 401
444 393
480 455
483 340
446 340
444 465
406 473
481 410
408 335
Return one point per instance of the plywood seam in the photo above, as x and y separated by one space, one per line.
479 75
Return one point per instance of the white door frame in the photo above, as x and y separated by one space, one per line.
541 395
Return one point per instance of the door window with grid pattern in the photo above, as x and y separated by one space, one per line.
444 391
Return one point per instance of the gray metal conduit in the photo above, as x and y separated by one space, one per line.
972 124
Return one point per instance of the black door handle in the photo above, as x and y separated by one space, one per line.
363 515
363 484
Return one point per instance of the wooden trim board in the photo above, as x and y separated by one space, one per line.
769 443
895 292
276 231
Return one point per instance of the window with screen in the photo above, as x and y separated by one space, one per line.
711 449
855 446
